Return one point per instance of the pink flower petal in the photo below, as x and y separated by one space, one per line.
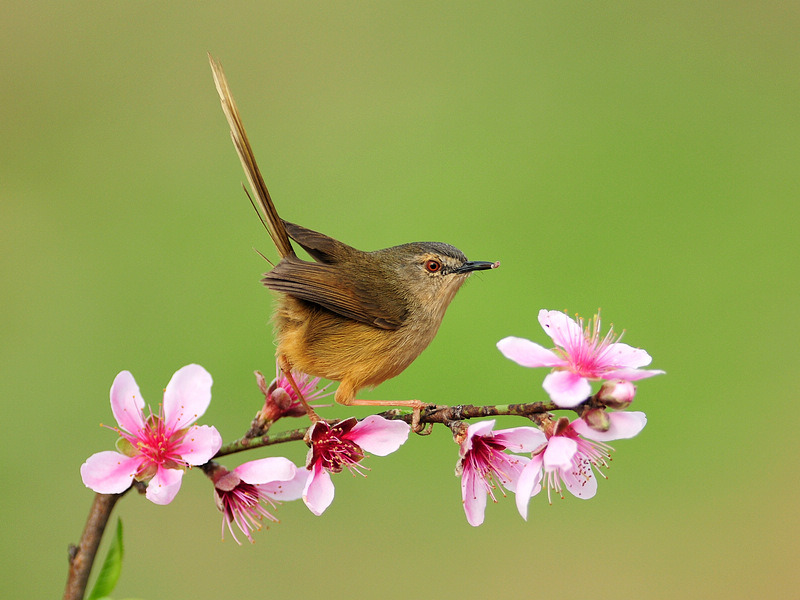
200 444
508 469
529 354
287 490
127 402
109 472
379 436
187 396
567 389
623 355
622 425
473 496
164 486
529 484
265 470
581 484
559 453
479 429
563 330
318 492
521 439
631 374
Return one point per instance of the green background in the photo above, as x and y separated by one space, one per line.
636 156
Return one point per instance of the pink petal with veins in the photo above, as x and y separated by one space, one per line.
318 492
529 484
379 436
127 402
265 470
559 453
473 496
622 425
566 388
286 490
200 444
623 355
561 329
109 472
520 439
529 354
187 396
164 486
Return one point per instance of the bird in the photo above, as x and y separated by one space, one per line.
348 315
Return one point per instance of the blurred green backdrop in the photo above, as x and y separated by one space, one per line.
636 156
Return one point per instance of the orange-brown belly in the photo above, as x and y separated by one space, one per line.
325 344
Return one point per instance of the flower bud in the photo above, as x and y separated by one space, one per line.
597 419
617 394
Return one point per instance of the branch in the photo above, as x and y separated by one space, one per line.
433 414
81 557
246 443
447 414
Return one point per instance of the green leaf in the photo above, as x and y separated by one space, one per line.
112 567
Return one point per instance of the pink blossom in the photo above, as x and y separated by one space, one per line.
239 493
342 445
160 447
581 355
281 400
568 461
483 463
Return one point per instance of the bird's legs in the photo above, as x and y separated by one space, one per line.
286 368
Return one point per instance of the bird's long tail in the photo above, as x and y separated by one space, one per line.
270 217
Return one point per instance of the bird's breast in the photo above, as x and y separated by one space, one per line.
328 345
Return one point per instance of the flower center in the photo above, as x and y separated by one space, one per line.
240 505
334 451
586 349
241 498
157 445
588 454
490 462
336 454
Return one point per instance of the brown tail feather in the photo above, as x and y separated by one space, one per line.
271 219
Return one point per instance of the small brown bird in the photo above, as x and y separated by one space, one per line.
355 317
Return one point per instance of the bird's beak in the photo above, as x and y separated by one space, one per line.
476 265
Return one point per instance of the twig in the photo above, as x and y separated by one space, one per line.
433 414
81 557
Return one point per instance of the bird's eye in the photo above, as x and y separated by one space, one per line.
433 266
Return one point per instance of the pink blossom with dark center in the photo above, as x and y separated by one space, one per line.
484 465
342 445
242 493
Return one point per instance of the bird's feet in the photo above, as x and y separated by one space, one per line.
417 406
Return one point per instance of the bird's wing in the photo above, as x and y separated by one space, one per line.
325 285
321 247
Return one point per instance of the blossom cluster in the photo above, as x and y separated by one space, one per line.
158 450
557 455
562 456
